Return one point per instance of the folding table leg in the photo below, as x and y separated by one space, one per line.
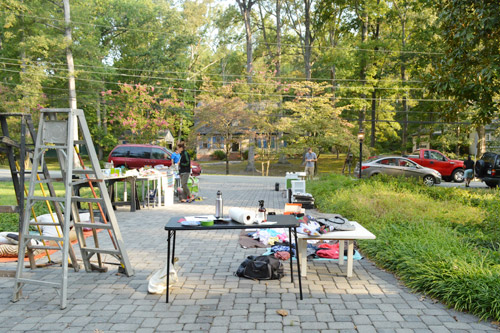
298 262
291 251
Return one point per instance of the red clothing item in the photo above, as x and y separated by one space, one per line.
330 251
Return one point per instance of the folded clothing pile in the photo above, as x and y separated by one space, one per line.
305 199
317 226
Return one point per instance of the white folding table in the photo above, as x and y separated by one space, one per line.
350 236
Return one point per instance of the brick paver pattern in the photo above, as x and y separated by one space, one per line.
208 297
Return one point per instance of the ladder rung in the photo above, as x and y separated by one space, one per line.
85 181
93 225
83 172
41 247
43 283
44 181
42 237
36 198
80 199
8 141
80 142
52 147
28 172
9 209
45 223
95 250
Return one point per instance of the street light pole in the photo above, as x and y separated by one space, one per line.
361 137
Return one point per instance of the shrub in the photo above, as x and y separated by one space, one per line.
440 241
245 155
219 155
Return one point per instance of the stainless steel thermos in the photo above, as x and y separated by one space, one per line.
219 208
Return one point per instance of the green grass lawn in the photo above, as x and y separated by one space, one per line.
327 163
444 242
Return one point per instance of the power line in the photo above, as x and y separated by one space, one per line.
216 74
93 94
116 28
235 93
222 82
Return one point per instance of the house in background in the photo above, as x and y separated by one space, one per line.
492 141
165 139
207 144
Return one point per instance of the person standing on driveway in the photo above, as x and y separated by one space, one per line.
310 160
184 171
469 171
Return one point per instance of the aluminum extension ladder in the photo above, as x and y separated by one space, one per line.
56 132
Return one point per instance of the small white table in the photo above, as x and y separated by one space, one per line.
359 233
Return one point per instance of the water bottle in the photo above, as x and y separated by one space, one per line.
218 205
262 214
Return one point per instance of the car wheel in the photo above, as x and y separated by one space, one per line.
429 180
491 184
458 175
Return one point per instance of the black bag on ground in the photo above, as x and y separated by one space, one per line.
261 268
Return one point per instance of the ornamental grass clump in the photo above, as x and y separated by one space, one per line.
443 242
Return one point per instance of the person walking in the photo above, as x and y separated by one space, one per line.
184 171
469 171
310 160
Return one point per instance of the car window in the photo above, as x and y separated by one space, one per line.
159 154
407 164
388 161
140 152
437 156
120 152
427 154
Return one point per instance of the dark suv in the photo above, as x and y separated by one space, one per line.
135 156
488 169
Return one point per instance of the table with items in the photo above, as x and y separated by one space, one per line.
176 224
359 232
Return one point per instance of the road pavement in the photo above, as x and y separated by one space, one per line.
208 297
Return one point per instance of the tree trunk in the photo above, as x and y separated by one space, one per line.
251 155
179 135
278 38
481 142
362 74
307 39
403 83
282 157
245 9
374 92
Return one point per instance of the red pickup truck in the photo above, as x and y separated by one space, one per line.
450 170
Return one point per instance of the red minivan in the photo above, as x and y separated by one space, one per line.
135 156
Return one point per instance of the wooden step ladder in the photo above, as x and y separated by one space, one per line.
56 132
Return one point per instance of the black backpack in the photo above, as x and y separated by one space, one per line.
261 268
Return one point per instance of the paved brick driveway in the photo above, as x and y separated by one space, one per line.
209 298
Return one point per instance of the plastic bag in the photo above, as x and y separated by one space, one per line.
158 281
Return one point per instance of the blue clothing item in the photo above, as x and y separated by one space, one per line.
469 174
279 248
176 157
310 156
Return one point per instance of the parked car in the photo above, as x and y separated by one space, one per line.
135 156
450 170
488 169
398 166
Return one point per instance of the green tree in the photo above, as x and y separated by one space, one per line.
469 70
314 121
228 117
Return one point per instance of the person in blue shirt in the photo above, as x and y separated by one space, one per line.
176 157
